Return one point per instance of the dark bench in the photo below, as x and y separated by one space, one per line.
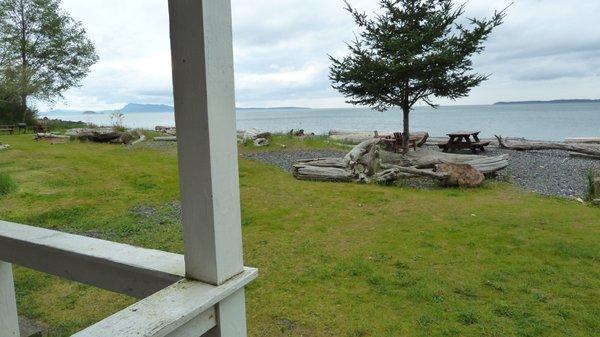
473 146
462 140
396 141
7 128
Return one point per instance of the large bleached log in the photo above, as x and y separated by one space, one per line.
166 139
525 145
583 140
413 171
359 151
322 173
356 137
425 158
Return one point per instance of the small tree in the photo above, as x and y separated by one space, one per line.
415 50
43 51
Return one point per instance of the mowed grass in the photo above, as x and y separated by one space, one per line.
335 259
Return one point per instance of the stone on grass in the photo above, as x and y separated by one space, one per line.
462 175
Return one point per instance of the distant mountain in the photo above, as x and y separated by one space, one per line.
277 108
67 112
556 101
133 108
138 108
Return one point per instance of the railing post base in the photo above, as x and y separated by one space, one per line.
231 317
9 321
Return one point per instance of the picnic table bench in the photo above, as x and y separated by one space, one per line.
462 140
395 141
7 128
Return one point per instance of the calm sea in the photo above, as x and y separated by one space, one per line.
532 121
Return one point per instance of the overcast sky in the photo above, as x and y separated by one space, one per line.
546 49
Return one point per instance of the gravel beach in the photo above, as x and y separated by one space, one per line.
545 172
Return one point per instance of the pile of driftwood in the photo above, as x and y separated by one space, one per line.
367 162
98 135
258 138
588 148
169 130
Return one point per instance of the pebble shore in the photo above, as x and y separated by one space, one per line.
550 172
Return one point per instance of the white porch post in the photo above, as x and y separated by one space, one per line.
9 321
202 58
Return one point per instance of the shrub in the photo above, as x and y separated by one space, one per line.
7 184
591 192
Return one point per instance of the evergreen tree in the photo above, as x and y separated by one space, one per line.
415 50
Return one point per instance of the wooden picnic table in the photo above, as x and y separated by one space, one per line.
462 140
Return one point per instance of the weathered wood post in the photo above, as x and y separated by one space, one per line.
202 59
9 321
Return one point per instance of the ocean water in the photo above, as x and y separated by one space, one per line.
532 121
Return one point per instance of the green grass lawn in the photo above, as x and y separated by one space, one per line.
335 259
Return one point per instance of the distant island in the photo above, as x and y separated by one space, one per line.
277 108
133 108
138 108
556 101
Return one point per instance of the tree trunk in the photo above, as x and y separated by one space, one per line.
406 132
23 108
524 145
24 81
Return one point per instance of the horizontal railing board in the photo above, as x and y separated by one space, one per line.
134 271
183 309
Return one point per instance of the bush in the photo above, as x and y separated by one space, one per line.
7 184
591 192
10 113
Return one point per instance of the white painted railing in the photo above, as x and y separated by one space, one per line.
200 292
171 304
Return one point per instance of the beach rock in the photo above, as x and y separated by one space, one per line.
462 175
166 129
259 142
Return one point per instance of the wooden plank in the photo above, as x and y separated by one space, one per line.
9 321
121 268
183 309
202 59
463 133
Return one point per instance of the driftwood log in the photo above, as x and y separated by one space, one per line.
367 163
166 139
425 158
356 137
583 140
525 145
51 138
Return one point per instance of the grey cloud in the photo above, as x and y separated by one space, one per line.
281 49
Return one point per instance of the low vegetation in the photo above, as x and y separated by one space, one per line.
335 259
591 192
7 184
